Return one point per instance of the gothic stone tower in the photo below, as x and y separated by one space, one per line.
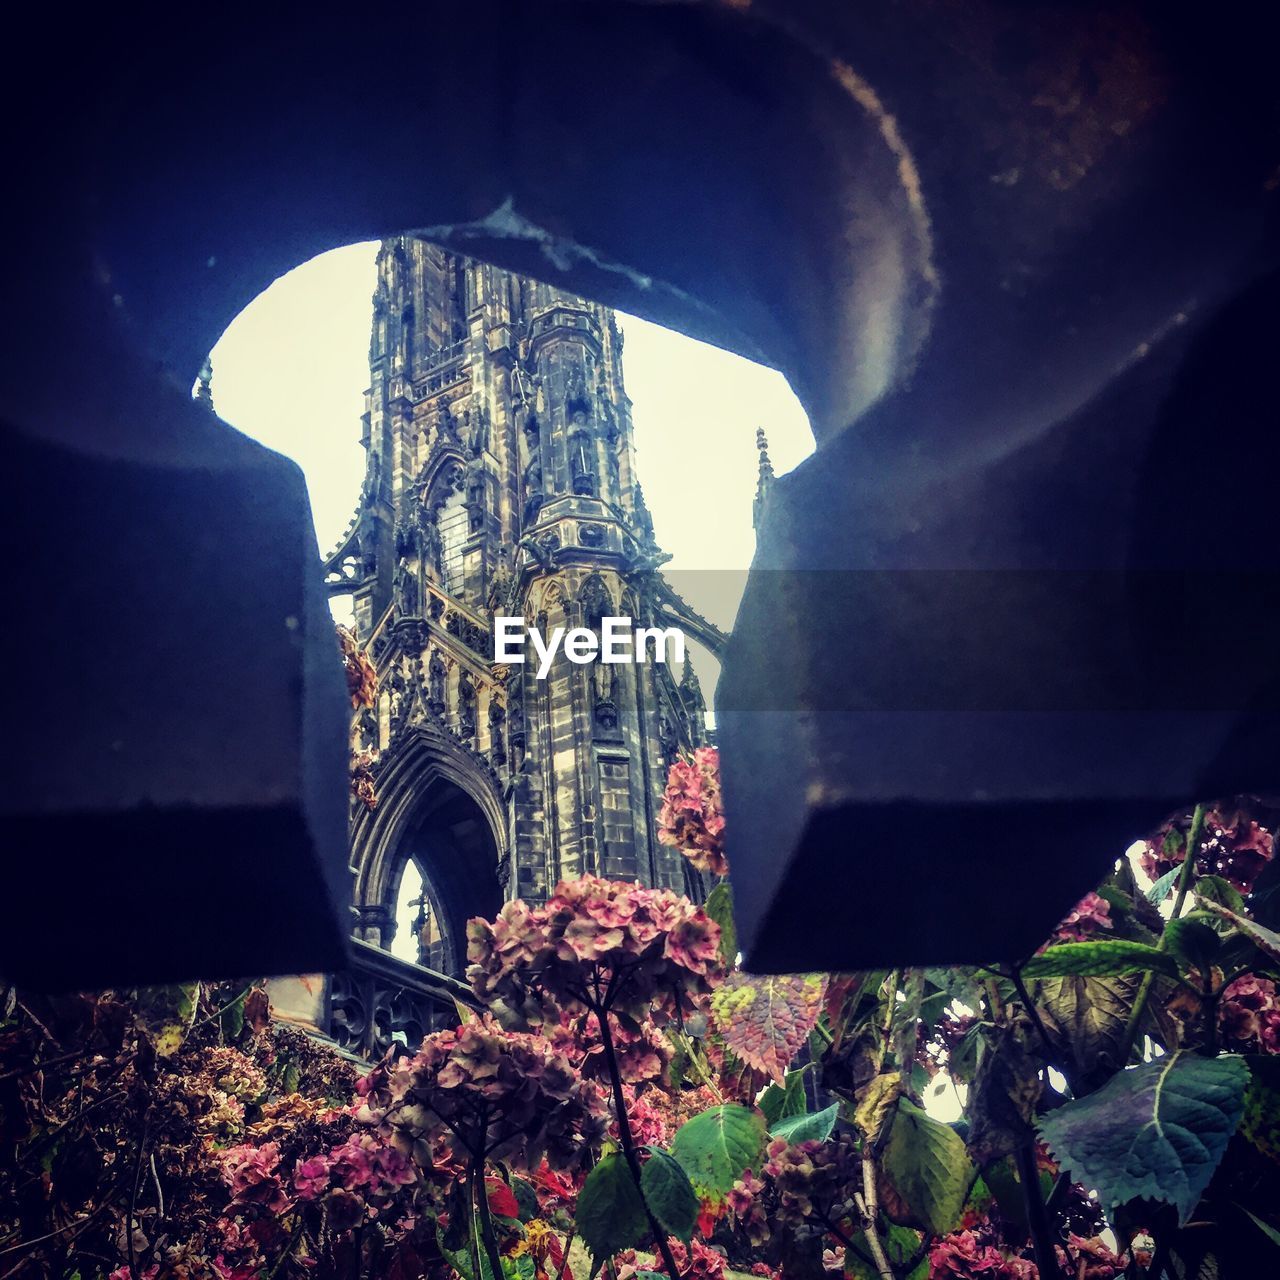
501 480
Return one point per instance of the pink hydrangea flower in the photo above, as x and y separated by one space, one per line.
251 1174
692 815
1089 916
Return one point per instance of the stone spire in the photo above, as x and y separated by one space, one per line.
204 385
765 481
690 688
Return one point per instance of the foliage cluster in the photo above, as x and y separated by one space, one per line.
631 1101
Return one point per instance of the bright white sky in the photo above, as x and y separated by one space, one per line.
292 368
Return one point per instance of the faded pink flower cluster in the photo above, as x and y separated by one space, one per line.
1089 916
972 1254
813 1181
692 814
698 1262
1249 1014
643 1052
1234 847
252 1175
964 1256
486 1092
597 944
362 1164
751 1207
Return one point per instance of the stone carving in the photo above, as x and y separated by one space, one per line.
406 590
582 462
437 677
497 747
466 704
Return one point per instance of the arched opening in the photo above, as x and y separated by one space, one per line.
418 920
448 850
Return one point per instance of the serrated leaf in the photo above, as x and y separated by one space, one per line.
1192 943
928 1167
766 1020
670 1194
719 906
1157 1131
816 1127
717 1146
779 1102
1099 959
502 1200
1085 1018
1266 940
1216 889
1160 890
610 1214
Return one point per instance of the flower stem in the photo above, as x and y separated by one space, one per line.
1037 1215
1184 886
628 1142
486 1223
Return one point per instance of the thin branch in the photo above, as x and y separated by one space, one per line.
628 1142
133 1199
870 1213
486 1224
287 1251
42 1066
1015 976
1037 1215
155 1178
564 1262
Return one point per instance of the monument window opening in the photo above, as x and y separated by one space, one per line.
453 523
418 936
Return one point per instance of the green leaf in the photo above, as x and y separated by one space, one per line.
670 1194
610 1212
1099 959
1160 890
717 1146
929 1168
1260 1124
1266 940
1265 1227
816 1127
1003 1097
1085 1018
460 1258
1223 892
526 1198
1193 944
778 1102
166 1014
719 906
1156 1132
231 1018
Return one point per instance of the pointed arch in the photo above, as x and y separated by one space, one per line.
442 806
